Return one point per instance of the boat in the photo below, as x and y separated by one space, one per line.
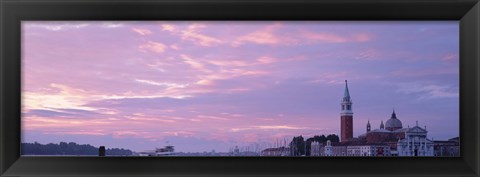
165 151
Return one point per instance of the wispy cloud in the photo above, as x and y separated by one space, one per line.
194 63
168 27
212 117
450 57
112 25
229 63
266 60
278 127
409 72
51 26
63 97
57 122
324 37
84 132
268 127
265 36
428 90
329 37
164 84
156 47
142 32
192 34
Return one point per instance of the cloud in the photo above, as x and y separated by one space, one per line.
212 117
269 36
205 82
165 84
232 115
44 123
265 36
408 72
156 47
55 26
64 97
229 63
117 134
168 27
73 113
174 47
142 32
450 57
329 37
266 60
46 113
193 63
324 37
112 25
192 34
179 133
362 37
144 119
428 91
243 63
146 96
84 132
268 127
230 73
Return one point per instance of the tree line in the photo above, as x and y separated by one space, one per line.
70 148
301 147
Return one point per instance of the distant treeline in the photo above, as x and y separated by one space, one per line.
68 149
299 147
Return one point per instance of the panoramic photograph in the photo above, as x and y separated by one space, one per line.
240 88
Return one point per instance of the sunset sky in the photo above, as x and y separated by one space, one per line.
213 85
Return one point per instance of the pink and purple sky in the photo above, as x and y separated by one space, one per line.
213 85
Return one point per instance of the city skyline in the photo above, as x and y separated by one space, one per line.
213 85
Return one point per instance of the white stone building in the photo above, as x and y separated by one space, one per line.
415 143
317 149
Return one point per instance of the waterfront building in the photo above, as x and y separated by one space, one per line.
449 147
316 148
415 143
354 147
369 149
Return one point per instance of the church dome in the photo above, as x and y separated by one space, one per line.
393 123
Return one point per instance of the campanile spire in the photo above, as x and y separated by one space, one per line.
346 93
346 102
346 116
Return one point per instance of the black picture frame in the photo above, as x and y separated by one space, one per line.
12 12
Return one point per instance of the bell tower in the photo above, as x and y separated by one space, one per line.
368 126
346 116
